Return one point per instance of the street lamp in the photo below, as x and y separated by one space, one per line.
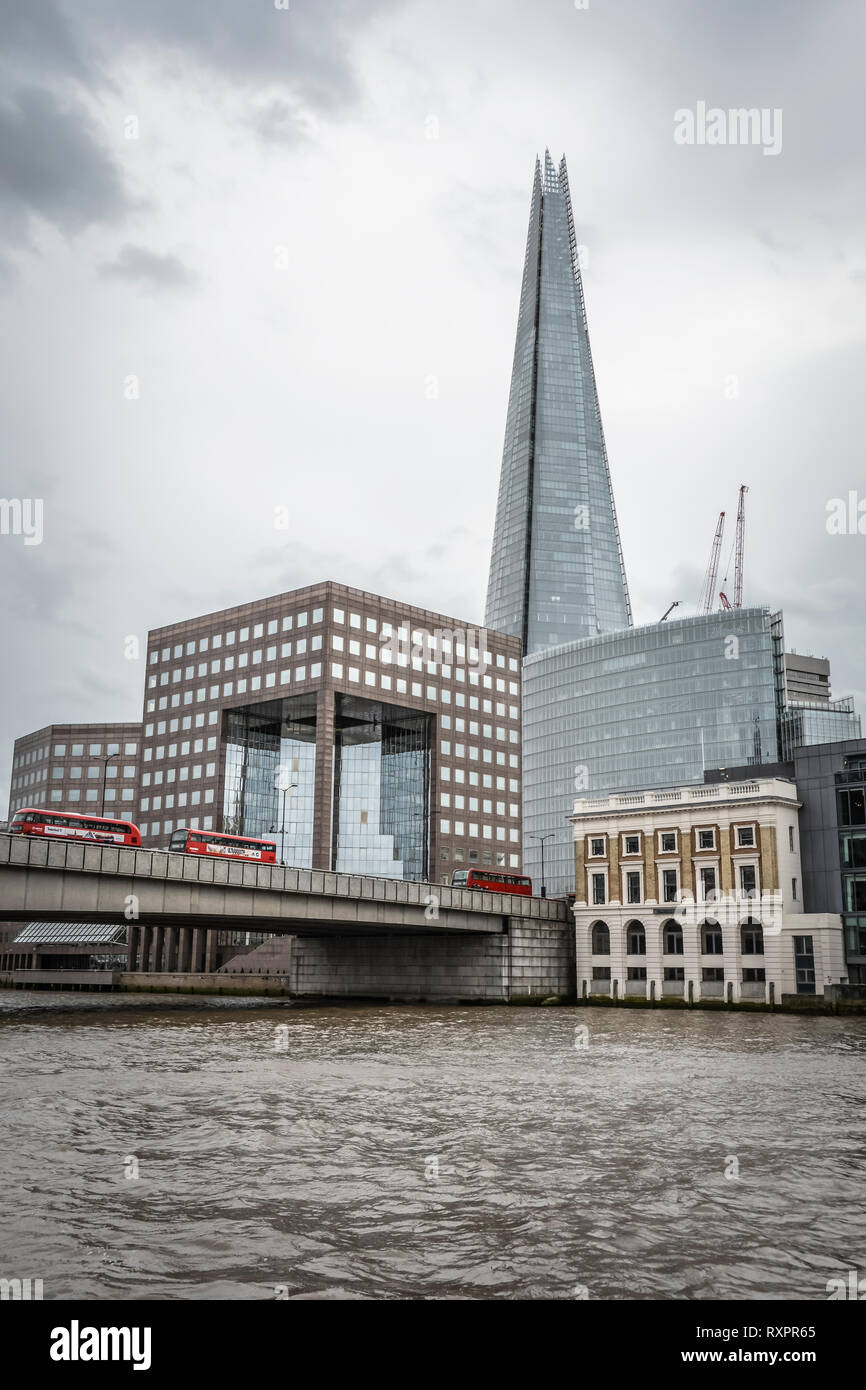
549 836
284 784
105 759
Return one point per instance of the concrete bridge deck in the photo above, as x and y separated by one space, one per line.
63 880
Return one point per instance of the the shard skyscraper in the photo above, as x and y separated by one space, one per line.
556 571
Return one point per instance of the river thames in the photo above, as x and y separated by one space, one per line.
251 1150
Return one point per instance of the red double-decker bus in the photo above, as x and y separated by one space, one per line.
492 882
70 825
185 841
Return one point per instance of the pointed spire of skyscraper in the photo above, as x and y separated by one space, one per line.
556 572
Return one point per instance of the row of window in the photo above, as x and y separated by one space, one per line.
76 750
445 800
669 883
440 642
488 832
710 974
217 640
631 842
182 774
223 665
353 674
158 803
168 825
474 856
711 939
59 796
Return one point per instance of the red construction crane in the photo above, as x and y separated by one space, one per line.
738 555
705 602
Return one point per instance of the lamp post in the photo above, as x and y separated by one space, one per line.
549 836
105 759
284 784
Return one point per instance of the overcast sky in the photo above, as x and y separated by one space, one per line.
310 255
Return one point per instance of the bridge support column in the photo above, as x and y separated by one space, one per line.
184 949
144 949
197 960
210 950
132 946
158 946
169 962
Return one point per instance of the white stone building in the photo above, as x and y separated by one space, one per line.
696 892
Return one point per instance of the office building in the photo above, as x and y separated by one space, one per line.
697 893
77 767
556 571
807 679
647 707
361 733
823 721
831 782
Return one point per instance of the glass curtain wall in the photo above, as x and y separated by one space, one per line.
270 775
381 789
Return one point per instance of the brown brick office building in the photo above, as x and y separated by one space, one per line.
78 767
361 733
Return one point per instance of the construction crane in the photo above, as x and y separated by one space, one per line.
738 554
675 604
705 602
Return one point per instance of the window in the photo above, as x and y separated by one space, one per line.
669 885
635 972
746 837
753 938
598 887
748 880
631 844
708 884
791 837
754 975
636 939
804 964
711 939
632 888
596 848
668 842
600 939
706 839
712 975
673 939
852 806
794 889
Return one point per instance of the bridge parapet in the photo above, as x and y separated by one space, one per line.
69 856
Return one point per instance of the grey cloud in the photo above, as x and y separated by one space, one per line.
305 46
52 166
39 37
279 123
150 270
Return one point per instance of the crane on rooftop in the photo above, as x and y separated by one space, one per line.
739 546
705 602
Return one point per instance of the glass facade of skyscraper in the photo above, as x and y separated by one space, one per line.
825 721
649 707
556 572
